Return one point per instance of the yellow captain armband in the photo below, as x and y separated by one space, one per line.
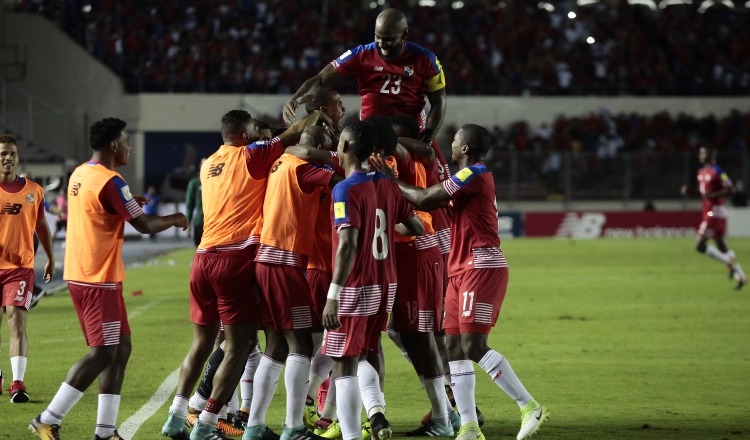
437 82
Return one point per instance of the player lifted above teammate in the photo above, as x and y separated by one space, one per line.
22 214
713 186
394 76
478 279
99 205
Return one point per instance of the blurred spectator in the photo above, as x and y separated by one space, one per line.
739 198
152 208
491 48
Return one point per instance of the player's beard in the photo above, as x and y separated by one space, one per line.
392 55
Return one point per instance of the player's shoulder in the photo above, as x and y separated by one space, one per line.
413 48
356 51
717 169
342 189
470 172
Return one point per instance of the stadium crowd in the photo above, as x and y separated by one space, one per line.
508 48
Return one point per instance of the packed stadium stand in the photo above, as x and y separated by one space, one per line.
588 47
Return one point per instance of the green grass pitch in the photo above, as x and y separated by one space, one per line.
620 339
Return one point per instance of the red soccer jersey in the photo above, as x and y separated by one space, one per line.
373 205
474 236
711 178
397 87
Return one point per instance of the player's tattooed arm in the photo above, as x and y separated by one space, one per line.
345 253
424 199
326 78
419 148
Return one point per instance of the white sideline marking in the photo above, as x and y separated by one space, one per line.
143 308
130 426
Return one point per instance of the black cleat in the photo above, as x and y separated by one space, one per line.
381 429
43 430
115 436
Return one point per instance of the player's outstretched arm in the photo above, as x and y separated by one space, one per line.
151 224
423 199
292 134
310 154
46 240
344 262
419 148
411 227
438 107
326 78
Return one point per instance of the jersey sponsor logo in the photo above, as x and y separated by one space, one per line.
11 208
408 70
587 225
75 188
339 210
30 198
125 190
377 69
216 169
463 174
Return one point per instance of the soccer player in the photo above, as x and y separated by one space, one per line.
478 279
364 222
21 214
99 204
289 213
222 277
713 186
394 76
194 208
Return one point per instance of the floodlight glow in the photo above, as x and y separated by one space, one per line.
546 6
649 3
571 15
428 3
458 5
590 40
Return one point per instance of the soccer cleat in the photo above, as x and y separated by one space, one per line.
259 432
174 428
730 269
741 282
381 429
310 416
366 431
228 429
322 425
192 417
206 432
18 393
300 433
431 429
240 417
532 417
323 394
455 419
333 431
115 436
470 431
480 417
43 430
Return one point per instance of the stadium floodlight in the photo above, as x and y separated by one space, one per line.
649 3
428 3
381 2
501 4
590 40
546 6
457 5
665 3
86 8
586 2
373 5
708 3
571 15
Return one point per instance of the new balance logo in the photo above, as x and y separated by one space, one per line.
12 209
216 169
587 225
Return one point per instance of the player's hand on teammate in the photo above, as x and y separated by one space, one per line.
290 108
141 200
49 271
331 315
382 166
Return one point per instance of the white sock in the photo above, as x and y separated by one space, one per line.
106 415
295 379
198 402
463 383
234 403
317 339
65 399
396 338
329 409
264 386
18 365
716 254
350 408
180 406
319 369
246 383
436 393
739 274
369 387
502 374
208 418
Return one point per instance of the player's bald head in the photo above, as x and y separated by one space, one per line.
391 19
316 136
476 137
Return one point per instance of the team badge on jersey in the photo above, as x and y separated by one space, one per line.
408 70
30 198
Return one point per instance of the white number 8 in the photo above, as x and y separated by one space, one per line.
381 236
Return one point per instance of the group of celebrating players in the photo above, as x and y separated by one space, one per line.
321 236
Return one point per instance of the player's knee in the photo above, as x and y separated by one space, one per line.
105 355
474 348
